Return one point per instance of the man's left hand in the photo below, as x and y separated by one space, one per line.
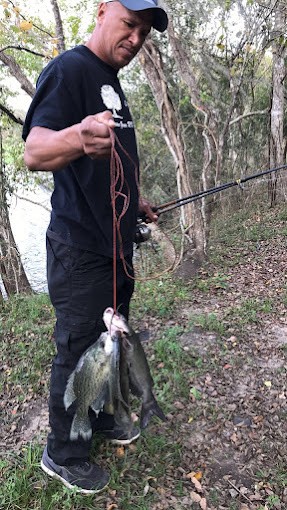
147 211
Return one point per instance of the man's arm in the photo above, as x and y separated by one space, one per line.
51 150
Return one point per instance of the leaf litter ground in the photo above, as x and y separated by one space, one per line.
224 446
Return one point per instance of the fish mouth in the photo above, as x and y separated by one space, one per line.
115 322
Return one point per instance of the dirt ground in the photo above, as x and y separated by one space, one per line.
232 430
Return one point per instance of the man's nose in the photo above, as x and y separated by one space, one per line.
136 38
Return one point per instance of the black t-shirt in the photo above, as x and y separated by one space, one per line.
72 86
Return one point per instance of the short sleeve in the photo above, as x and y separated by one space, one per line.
53 106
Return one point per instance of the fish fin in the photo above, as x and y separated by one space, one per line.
69 396
96 407
151 409
144 336
81 426
98 404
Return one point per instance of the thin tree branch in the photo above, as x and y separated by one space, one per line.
32 202
34 25
59 26
23 49
11 115
17 72
248 114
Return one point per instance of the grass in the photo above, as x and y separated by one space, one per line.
208 322
24 314
158 297
26 327
26 331
215 282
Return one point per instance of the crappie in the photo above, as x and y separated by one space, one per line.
140 379
90 383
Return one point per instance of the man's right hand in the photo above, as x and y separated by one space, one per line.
94 134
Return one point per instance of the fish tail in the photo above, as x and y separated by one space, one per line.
81 426
149 409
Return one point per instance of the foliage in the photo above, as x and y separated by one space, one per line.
158 296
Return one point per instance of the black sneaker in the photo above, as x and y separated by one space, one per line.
121 437
85 477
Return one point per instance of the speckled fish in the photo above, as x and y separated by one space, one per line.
94 382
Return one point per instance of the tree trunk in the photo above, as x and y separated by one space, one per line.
191 218
58 26
276 140
12 272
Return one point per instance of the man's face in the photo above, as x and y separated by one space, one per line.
121 33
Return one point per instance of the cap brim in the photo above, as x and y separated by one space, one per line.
160 19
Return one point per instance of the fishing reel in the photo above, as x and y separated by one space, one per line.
143 232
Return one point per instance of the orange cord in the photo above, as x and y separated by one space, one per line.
117 178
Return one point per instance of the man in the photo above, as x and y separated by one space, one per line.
78 103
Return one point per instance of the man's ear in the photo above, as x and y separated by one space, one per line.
101 11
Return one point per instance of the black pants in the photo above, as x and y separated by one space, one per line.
81 287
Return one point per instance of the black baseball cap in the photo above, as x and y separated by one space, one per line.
160 19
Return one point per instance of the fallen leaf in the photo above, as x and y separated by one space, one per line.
203 504
196 498
146 489
196 484
120 452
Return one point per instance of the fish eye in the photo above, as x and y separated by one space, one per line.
102 344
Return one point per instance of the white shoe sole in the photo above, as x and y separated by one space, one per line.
75 488
124 442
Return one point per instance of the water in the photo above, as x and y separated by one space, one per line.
29 223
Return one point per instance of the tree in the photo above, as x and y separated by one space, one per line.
276 140
218 70
12 272
11 269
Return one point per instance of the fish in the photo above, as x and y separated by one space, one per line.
88 384
96 383
119 403
139 376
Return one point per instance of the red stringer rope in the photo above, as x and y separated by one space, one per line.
118 181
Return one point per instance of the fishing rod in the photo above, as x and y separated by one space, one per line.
179 202
143 232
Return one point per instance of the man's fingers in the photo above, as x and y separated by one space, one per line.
105 118
95 134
